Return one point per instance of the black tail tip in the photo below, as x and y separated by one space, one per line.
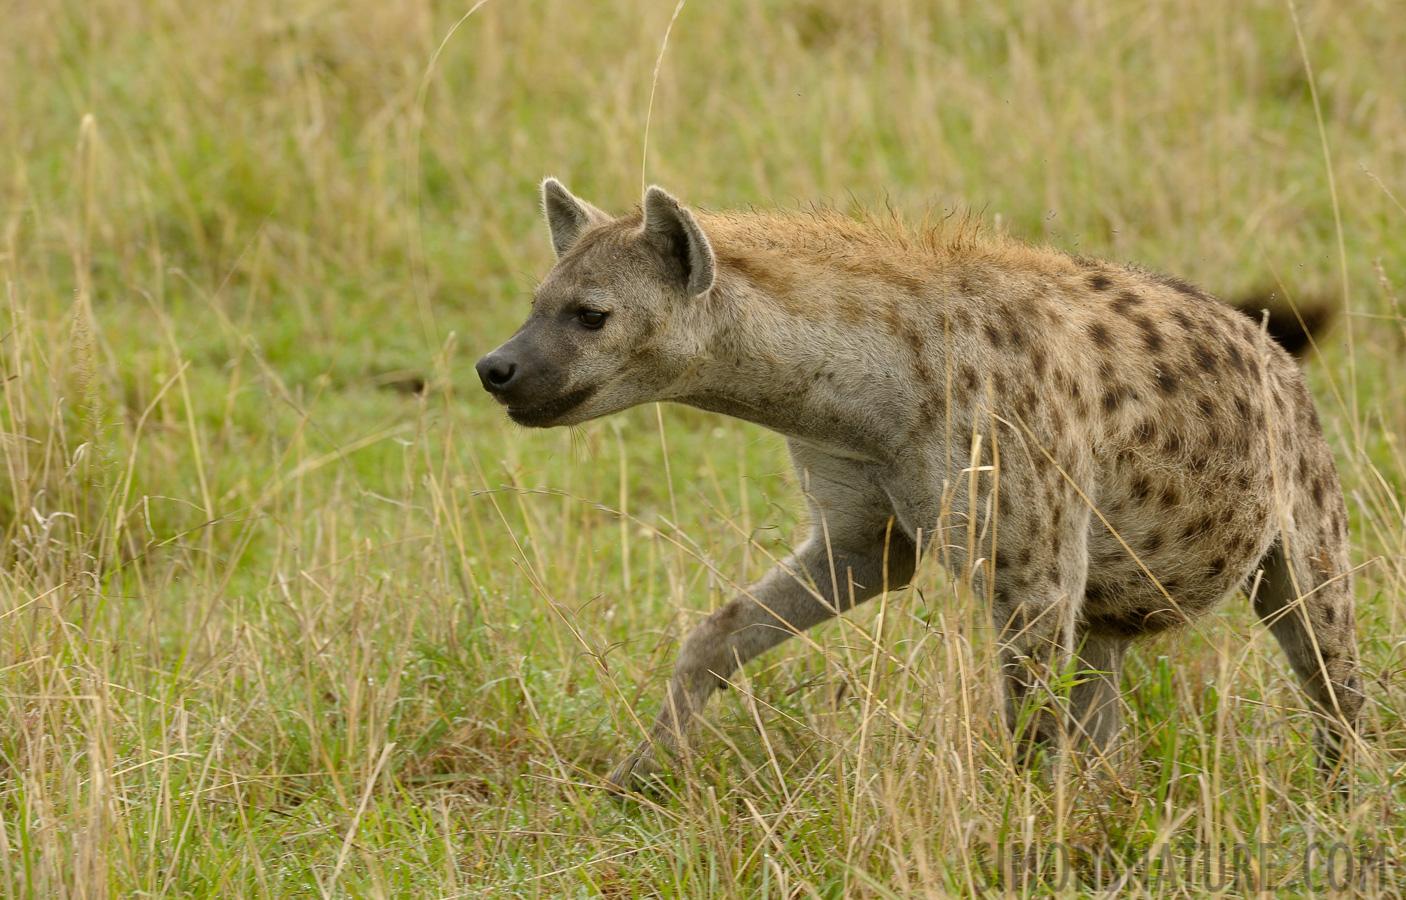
1293 326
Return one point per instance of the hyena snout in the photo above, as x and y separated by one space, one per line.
520 374
499 372
532 385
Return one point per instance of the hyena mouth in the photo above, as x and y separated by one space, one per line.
543 414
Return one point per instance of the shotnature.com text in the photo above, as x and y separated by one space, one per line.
1247 866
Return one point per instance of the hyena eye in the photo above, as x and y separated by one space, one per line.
591 318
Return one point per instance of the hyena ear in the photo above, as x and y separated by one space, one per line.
568 216
672 229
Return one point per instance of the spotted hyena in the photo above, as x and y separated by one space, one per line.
1104 451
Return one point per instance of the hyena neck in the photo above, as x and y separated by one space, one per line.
767 362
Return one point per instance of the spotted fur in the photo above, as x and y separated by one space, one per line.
1106 452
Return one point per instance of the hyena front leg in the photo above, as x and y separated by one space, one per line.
1036 642
1035 611
797 594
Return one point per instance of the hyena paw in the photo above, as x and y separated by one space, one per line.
637 773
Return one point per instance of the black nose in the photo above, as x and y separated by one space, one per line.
496 373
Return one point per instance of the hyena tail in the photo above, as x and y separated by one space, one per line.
1293 326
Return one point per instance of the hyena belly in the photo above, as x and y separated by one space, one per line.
1185 527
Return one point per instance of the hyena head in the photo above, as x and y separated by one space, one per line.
610 325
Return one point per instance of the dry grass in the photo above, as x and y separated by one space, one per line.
289 611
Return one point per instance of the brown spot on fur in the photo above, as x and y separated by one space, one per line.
1113 398
921 370
1037 362
1203 357
1166 381
1236 359
1197 528
993 334
1171 496
1182 320
1151 337
913 336
1100 282
1126 302
1098 333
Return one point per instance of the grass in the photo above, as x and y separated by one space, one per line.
289 610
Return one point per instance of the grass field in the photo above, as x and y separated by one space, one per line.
288 609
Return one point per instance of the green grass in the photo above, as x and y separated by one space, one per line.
275 623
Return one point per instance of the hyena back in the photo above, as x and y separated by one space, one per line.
1156 450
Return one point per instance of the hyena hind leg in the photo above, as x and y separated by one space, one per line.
1094 702
1317 634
